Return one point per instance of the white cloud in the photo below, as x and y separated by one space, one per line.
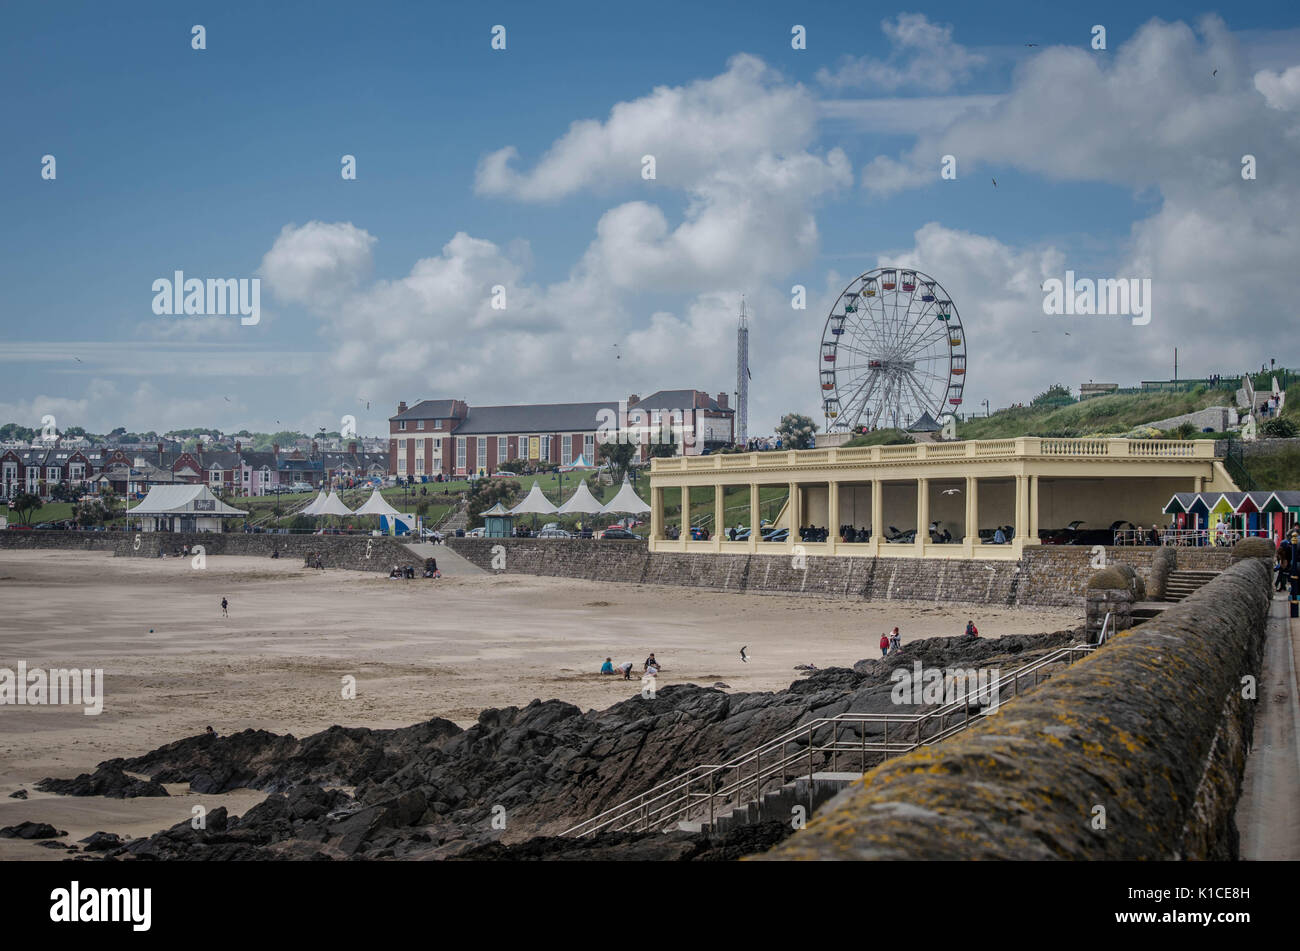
923 55
317 262
1281 90
691 131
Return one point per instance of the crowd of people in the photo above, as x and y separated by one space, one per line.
763 443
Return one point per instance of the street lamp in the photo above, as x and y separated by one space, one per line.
986 409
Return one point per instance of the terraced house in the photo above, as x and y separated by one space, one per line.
235 471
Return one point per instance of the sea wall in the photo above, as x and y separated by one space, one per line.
357 552
1051 575
1136 752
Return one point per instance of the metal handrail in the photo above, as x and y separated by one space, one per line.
677 797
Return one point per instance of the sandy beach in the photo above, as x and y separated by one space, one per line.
418 649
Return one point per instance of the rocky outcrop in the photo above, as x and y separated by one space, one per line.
31 830
108 780
433 790
1163 563
1136 752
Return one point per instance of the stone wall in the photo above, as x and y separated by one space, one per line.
1050 575
358 552
1136 752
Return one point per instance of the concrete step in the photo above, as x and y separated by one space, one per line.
450 563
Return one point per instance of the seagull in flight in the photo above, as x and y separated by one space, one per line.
950 492
743 657
1031 44
227 399
995 183
1213 74
78 359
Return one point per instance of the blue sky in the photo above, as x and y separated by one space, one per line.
170 158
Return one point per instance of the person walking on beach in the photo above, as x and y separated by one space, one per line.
884 645
225 608
895 641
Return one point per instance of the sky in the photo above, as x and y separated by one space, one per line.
521 169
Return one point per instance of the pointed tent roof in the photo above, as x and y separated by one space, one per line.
333 506
626 502
535 503
498 510
376 505
314 507
581 501
924 424
183 500
579 463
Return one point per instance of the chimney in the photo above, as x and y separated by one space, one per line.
160 454
352 447
275 450
633 400
401 407
722 400
238 446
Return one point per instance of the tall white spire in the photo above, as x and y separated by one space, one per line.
742 376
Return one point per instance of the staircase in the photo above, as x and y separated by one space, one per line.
456 517
802 766
1182 583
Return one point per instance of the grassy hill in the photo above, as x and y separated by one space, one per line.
1110 415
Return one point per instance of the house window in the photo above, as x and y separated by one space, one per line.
52 474
419 424
214 476
546 447
77 471
419 463
401 464
401 424
482 452
503 449
589 445
566 450
33 478
437 446
460 454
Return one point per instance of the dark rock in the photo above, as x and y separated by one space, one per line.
31 830
108 780
19 794
102 841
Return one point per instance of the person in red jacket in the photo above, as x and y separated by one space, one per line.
971 629
884 645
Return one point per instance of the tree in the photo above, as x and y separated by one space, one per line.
65 492
619 456
1280 427
1185 430
796 431
662 450
487 493
25 503
1054 395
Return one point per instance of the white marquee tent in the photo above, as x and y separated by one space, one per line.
333 505
535 503
581 501
627 502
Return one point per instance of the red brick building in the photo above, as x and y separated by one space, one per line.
454 439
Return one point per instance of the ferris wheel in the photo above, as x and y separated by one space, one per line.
893 349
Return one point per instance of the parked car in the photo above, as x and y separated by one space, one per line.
778 535
553 533
620 533
476 532
429 534
300 487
